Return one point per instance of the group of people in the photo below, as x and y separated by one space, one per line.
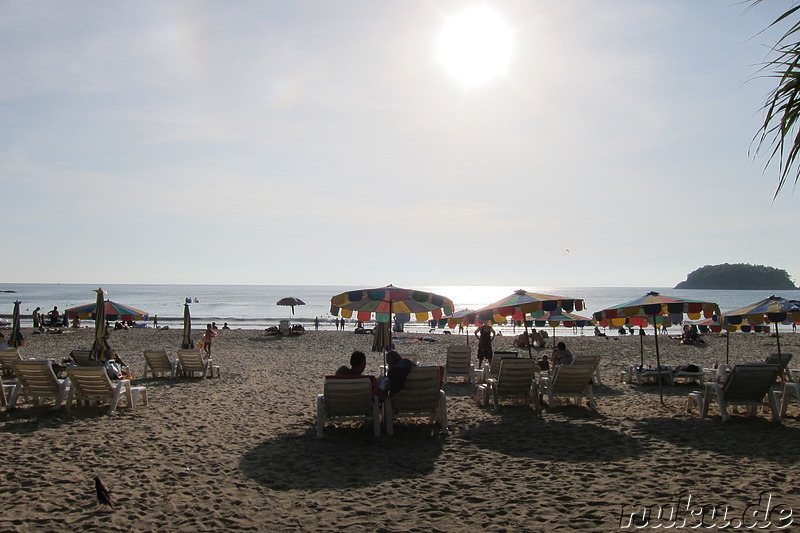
560 355
52 318
397 371
339 323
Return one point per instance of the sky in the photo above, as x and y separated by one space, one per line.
325 143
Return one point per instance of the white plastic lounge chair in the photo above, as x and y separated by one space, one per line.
591 360
191 362
514 380
782 362
8 356
5 392
421 397
284 328
698 375
347 399
458 362
569 381
157 362
36 380
491 370
90 385
791 393
81 358
746 385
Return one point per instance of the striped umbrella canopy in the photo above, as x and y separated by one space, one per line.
16 339
384 302
101 350
772 310
522 302
656 309
462 317
559 318
111 311
186 344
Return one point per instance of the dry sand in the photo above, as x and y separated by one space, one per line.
240 454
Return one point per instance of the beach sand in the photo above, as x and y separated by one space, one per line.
239 453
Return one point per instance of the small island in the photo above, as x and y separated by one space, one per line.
739 276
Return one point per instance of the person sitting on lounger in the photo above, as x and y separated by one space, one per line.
561 356
598 333
396 373
358 362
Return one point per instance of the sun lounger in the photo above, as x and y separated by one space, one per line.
421 397
8 356
782 362
491 370
791 393
569 381
514 380
348 399
689 373
90 386
37 381
746 385
5 392
191 363
157 362
591 360
458 362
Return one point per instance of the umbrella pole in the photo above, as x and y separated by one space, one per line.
727 346
780 362
658 362
525 323
641 351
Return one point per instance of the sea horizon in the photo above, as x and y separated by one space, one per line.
255 306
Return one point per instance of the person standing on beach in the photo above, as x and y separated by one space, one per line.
485 335
155 322
37 317
316 323
208 338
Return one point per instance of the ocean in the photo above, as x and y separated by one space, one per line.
254 306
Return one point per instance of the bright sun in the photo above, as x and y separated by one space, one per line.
475 46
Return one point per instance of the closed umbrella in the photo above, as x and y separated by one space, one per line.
656 309
101 351
16 339
187 344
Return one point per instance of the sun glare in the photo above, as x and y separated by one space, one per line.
475 46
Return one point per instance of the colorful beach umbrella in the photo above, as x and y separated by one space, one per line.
111 311
656 309
16 339
772 310
383 302
556 318
463 318
290 301
187 344
521 303
101 350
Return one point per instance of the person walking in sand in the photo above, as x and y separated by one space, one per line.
208 338
485 335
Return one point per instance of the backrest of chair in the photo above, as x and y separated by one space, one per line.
590 360
776 359
421 391
568 378
90 381
36 377
750 381
191 360
516 375
158 360
8 356
497 358
348 396
81 358
458 358
283 326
